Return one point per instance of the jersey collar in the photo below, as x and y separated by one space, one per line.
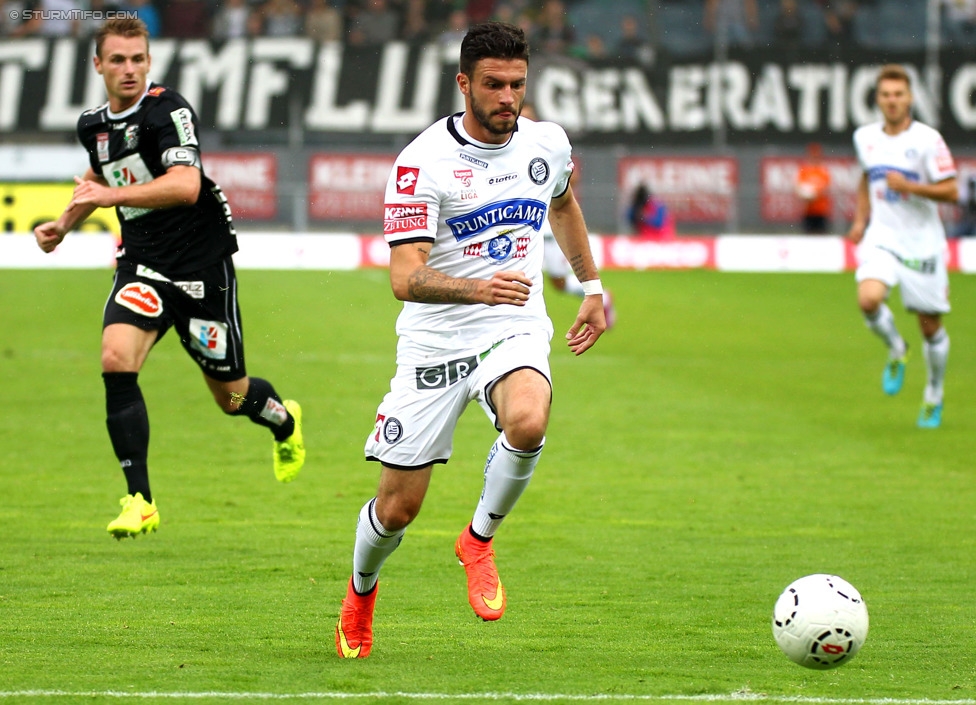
456 129
128 111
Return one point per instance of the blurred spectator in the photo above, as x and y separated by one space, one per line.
282 18
232 20
736 19
186 19
8 25
437 14
966 225
594 48
632 44
649 216
377 23
959 20
415 28
789 24
146 12
553 35
457 27
813 187
839 16
62 26
479 10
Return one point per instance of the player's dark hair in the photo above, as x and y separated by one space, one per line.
893 72
492 40
120 27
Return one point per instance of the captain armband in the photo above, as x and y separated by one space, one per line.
181 156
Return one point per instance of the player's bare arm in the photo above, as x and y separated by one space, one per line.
569 228
50 234
862 212
179 186
413 280
946 190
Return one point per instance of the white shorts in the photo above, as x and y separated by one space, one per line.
553 260
924 284
415 421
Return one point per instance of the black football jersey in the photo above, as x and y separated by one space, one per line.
135 147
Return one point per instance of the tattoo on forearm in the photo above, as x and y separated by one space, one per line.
578 269
429 286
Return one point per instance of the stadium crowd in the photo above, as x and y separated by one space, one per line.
588 29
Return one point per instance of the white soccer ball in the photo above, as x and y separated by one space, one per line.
820 621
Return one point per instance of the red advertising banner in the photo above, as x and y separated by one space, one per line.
777 186
249 180
348 186
696 189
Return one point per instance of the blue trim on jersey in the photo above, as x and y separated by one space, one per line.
879 173
515 211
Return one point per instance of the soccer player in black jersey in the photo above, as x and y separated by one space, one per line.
174 264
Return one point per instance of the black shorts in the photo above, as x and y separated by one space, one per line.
201 306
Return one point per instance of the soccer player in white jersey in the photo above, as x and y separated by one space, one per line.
907 169
465 206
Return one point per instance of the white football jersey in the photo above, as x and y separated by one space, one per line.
907 225
484 208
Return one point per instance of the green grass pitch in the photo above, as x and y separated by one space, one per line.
729 436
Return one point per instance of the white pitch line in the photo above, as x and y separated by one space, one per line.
516 697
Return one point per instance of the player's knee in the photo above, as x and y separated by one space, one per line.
527 433
868 303
114 360
397 514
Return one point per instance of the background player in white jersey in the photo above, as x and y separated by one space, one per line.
554 262
907 169
465 206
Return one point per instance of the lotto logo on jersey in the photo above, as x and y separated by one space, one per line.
517 211
404 217
406 180
209 338
140 298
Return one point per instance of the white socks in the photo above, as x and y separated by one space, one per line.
882 324
936 350
507 474
374 544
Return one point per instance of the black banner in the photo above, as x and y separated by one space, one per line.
249 86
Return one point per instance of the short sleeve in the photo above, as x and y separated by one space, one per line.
939 164
411 204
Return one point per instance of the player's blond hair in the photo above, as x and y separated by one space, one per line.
120 27
893 72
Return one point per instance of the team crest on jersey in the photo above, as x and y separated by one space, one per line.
101 146
140 298
156 91
131 136
515 211
392 430
404 217
209 338
539 171
499 249
406 179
